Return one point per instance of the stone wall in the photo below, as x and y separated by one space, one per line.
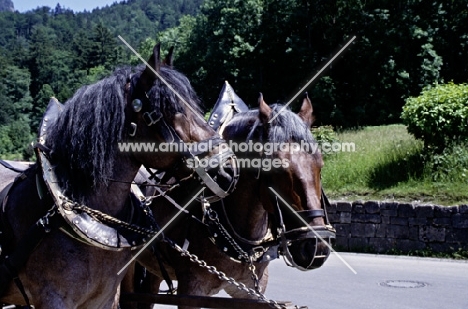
379 227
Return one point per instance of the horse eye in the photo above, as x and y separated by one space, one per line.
137 105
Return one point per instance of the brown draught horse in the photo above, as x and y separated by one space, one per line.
69 222
242 233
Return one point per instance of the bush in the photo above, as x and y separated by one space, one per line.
450 165
324 134
439 115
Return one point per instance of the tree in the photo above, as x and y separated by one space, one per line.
104 50
82 51
16 106
221 45
41 100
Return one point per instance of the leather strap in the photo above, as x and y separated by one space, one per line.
3 196
163 269
312 213
8 166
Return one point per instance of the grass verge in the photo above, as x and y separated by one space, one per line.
388 163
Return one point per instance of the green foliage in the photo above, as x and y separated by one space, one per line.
439 115
449 165
52 52
103 48
41 101
276 46
14 119
221 43
257 45
324 134
389 163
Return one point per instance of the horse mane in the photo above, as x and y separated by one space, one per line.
84 139
286 127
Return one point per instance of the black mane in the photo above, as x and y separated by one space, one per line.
84 140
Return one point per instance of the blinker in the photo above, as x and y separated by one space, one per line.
137 105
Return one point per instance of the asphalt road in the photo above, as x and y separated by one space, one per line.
383 282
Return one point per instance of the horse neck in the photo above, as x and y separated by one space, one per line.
112 198
245 208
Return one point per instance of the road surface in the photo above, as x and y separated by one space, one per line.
381 282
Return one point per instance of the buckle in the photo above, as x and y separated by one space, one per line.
151 118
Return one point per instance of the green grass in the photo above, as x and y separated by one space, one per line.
388 163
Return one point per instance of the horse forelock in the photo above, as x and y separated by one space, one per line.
84 138
286 126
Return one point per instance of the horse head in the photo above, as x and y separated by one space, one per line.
290 185
162 107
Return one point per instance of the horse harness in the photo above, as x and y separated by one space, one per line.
221 232
82 223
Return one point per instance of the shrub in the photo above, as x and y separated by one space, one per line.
324 134
439 115
450 165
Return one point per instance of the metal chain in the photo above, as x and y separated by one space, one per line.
213 216
222 276
70 205
254 276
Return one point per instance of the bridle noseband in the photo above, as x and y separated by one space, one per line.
312 234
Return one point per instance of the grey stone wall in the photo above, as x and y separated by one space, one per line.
379 226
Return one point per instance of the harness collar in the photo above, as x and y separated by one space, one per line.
94 227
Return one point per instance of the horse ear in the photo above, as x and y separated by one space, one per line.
148 76
264 111
306 111
157 57
169 58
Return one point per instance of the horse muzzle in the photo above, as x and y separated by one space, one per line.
218 172
307 249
